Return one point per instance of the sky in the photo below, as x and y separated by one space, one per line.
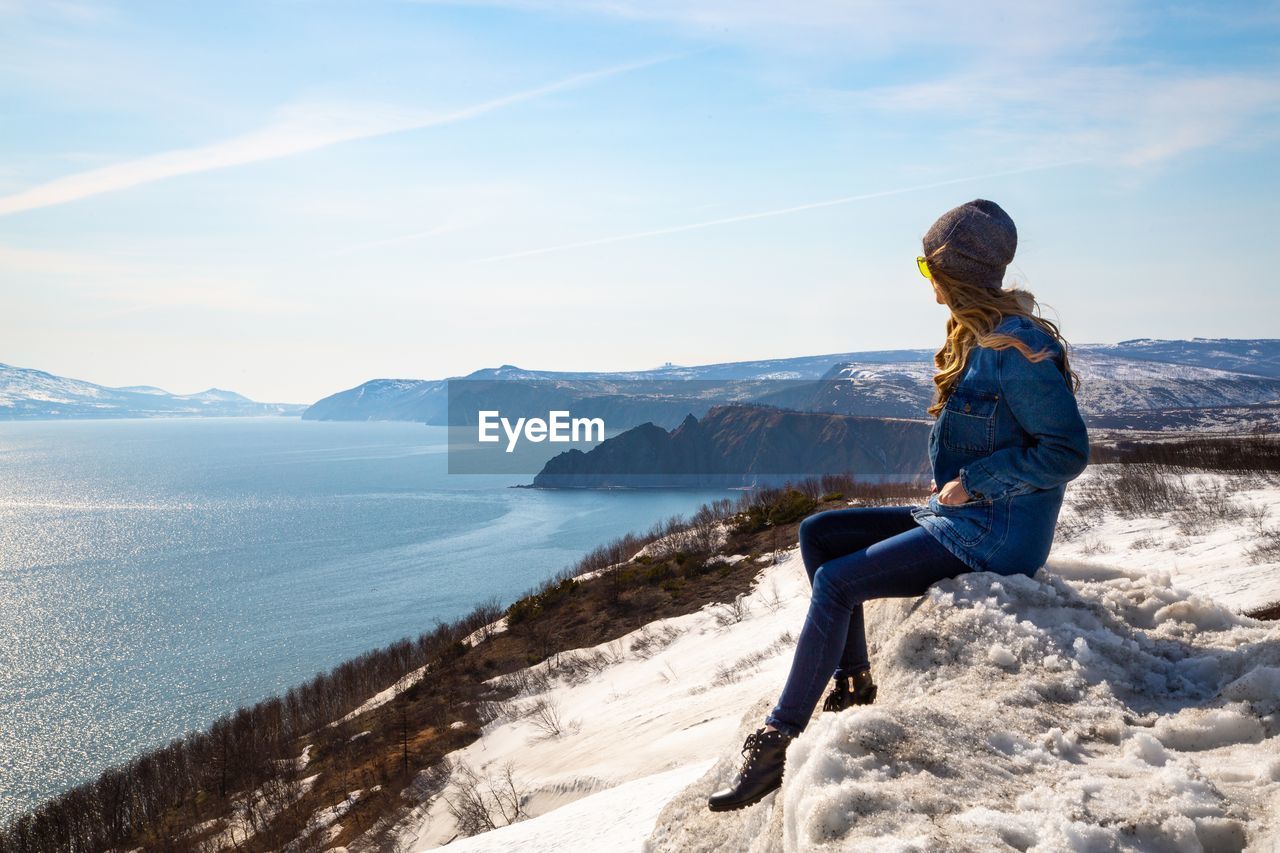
286 198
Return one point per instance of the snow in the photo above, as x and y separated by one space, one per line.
325 820
1115 702
1120 724
1213 562
672 542
485 632
653 711
1111 383
630 809
25 393
383 697
252 809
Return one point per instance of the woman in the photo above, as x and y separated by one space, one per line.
1007 438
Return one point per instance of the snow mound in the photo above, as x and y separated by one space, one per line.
1087 708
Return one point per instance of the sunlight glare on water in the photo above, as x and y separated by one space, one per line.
156 574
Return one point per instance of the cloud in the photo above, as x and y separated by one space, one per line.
299 128
1129 116
1062 78
862 30
782 211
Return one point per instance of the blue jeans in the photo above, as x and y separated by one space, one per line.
853 555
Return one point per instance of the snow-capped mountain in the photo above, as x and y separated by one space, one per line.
27 393
425 399
1113 384
1110 385
1260 356
1129 378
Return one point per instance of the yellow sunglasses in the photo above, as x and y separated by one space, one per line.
923 265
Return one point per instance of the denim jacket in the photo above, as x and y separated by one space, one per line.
1012 433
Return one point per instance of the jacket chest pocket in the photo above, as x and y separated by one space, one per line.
969 420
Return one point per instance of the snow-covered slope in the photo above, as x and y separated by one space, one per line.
670 698
1206 556
1100 705
27 393
631 809
1089 708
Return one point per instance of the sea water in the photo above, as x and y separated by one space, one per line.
155 574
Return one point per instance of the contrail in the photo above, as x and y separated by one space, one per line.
305 128
767 213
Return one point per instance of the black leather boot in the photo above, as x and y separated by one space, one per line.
841 696
761 771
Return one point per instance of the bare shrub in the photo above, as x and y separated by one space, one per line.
577 666
486 613
479 804
842 486
1191 522
772 598
1257 451
706 531
1268 548
1070 526
667 538
610 554
731 612
1094 546
529 681
1134 490
496 711
649 641
1255 515
546 718
724 675
729 673
1211 506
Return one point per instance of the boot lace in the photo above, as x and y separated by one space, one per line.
751 749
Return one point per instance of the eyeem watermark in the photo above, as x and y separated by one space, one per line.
558 426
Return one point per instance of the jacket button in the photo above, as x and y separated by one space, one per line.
967 407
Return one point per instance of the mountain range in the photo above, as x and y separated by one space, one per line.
1142 383
1123 384
34 394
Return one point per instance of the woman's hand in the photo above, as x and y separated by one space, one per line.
952 493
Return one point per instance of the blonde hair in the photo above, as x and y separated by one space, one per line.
975 312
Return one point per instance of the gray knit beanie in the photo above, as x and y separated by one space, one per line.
980 239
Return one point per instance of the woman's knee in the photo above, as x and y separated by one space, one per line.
826 586
813 529
810 527
811 550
